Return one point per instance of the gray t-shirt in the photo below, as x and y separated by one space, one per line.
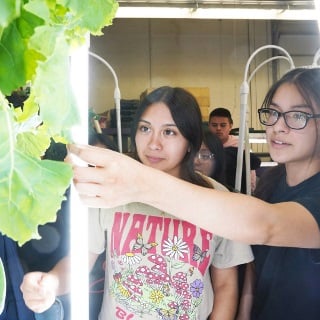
157 266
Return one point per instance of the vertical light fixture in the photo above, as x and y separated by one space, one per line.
317 8
79 273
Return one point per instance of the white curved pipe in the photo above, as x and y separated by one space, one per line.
243 128
316 59
265 62
117 98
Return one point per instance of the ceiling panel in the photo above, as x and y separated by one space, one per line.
261 4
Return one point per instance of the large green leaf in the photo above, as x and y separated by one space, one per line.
53 89
31 189
87 15
31 193
36 38
2 286
18 62
12 67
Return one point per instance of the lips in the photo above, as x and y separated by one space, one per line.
279 143
152 159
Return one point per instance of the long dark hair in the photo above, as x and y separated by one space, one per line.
268 180
186 114
307 82
214 144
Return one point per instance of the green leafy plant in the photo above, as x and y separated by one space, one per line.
36 40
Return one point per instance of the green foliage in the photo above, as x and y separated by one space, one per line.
36 40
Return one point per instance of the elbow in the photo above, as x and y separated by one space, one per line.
264 234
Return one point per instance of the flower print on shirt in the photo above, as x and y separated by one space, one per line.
157 267
176 248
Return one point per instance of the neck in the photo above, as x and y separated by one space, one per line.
297 175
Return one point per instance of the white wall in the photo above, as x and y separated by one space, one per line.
189 53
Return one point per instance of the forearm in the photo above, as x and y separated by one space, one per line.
225 306
116 179
246 299
233 216
62 272
225 287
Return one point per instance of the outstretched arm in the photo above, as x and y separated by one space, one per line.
117 179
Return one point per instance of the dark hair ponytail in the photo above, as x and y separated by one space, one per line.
269 179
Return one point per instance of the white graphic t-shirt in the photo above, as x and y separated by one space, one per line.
157 266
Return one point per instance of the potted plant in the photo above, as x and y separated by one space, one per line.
36 40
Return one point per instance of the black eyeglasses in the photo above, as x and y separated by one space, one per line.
203 155
296 120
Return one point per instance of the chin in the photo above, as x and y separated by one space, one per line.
279 160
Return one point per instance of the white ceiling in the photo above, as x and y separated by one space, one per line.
261 4
219 9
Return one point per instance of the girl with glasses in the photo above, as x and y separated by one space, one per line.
283 219
210 160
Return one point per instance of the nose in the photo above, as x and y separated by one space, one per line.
196 161
155 141
280 125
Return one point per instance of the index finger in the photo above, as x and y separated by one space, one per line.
91 155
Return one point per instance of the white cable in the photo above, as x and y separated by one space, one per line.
117 98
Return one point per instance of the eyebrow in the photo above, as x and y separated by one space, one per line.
164 125
304 106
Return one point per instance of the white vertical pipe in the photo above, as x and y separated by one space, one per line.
244 111
244 91
317 8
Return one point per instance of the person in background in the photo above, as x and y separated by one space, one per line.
283 222
210 160
157 265
14 305
221 123
96 136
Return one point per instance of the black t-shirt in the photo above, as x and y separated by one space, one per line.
231 154
288 279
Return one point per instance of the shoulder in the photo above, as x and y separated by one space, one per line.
216 185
